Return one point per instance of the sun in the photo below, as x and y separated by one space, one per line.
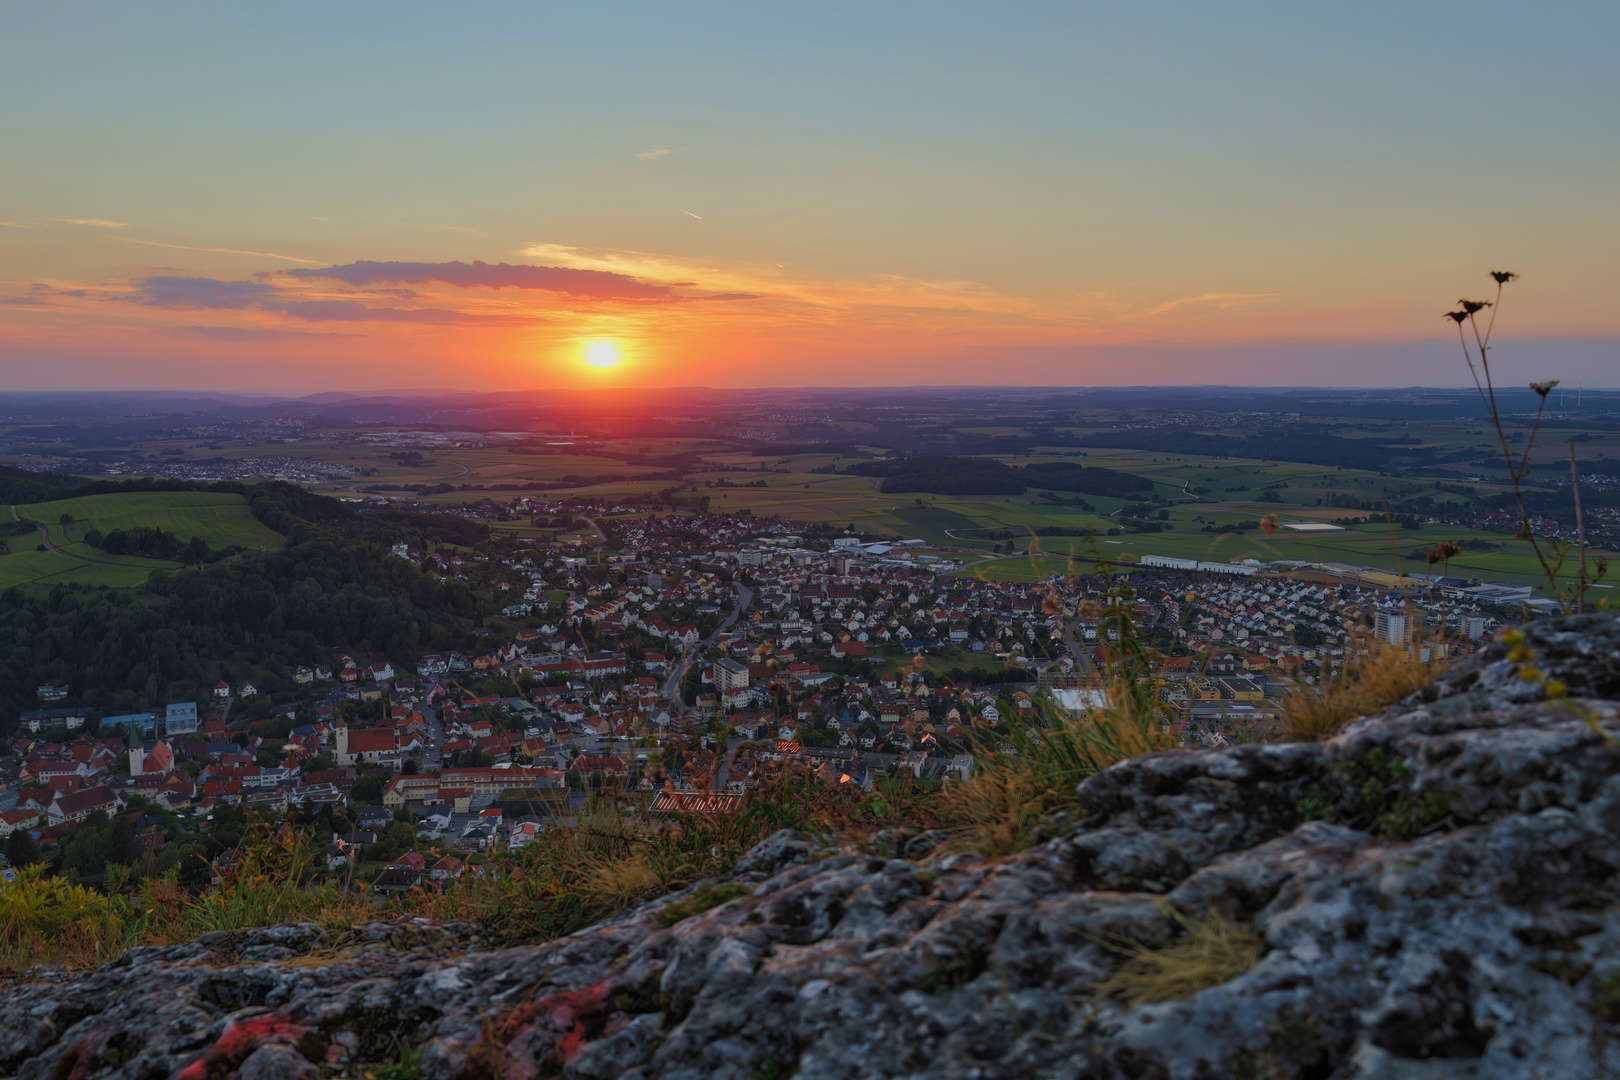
602 354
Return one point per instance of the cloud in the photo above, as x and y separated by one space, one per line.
222 251
195 292
586 284
98 223
237 333
210 293
27 301
15 225
653 154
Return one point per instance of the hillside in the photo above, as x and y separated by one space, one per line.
1432 893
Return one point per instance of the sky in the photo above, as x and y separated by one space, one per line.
300 197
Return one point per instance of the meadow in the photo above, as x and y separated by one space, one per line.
221 519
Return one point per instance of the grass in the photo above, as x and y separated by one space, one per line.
1212 950
26 565
220 518
1383 676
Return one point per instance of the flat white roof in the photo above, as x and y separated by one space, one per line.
1310 526
1084 699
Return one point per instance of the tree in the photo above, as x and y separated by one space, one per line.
368 789
21 850
65 519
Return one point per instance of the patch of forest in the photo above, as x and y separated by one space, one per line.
1085 479
944 474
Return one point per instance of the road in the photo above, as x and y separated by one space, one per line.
672 688
1083 662
432 755
44 537
601 536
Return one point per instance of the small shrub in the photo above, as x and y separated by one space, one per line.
1380 782
406 1068
705 896
1606 999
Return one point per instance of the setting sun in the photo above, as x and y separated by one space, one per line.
602 354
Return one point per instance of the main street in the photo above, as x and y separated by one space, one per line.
672 687
1083 661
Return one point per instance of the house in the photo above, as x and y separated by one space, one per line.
246 690
12 820
222 690
397 878
446 869
77 805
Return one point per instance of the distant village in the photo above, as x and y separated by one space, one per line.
682 658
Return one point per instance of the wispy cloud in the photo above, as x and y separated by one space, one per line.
98 223
220 251
16 225
1219 299
355 311
659 153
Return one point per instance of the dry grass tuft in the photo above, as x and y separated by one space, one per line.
1215 950
1382 677
1392 674
996 812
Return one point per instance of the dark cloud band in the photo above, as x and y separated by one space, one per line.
586 284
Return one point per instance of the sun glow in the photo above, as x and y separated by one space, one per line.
602 354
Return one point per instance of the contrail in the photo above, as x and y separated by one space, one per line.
226 251
690 214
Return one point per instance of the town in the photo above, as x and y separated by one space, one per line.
675 661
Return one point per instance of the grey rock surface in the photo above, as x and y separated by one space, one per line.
1435 890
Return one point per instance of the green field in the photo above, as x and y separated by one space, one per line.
221 519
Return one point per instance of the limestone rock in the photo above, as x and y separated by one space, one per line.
1435 891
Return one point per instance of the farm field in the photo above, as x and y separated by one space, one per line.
1190 492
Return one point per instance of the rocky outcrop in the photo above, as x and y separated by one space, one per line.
1435 891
